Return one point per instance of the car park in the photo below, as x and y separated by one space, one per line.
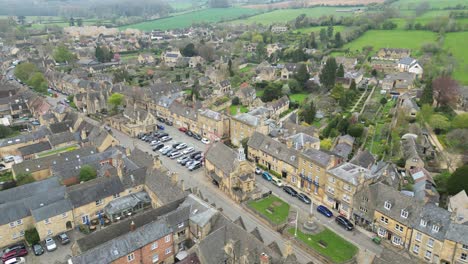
193 155
63 238
183 129
50 244
160 119
303 198
190 162
195 166
175 154
169 152
189 133
266 176
345 223
181 146
17 250
166 138
169 123
188 150
290 191
198 157
154 143
258 171
9 159
19 260
324 210
163 135
38 249
184 162
165 149
182 159
276 182
158 146
196 136
205 141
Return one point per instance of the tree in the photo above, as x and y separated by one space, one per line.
460 121
337 92
79 22
87 173
24 71
340 71
356 130
6 131
374 72
121 75
458 181
328 74
38 82
439 123
422 8
425 114
313 42
458 139
72 22
294 86
323 36
103 54
308 114
383 101
235 101
63 54
446 91
325 144
427 96
338 40
302 75
389 25
330 31
272 92
115 100
189 50
352 87
31 236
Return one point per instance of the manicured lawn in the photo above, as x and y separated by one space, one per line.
410 39
281 208
460 53
233 109
300 98
285 15
210 15
59 150
338 249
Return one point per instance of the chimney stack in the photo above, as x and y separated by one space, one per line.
264 259
132 226
174 178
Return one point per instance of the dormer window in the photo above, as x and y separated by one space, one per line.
435 228
404 213
423 222
387 205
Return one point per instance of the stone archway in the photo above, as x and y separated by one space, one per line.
68 225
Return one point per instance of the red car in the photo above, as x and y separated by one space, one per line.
14 253
182 129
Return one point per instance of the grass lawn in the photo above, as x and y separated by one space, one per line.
259 93
210 15
338 249
300 98
285 15
281 208
233 109
460 53
410 39
308 30
59 150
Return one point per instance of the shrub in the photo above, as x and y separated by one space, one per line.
32 236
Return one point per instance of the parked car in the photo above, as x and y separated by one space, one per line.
258 171
38 249
195 154
169 152
189 133
290 190
9 159
185 161
175 154
36 123
181 146
198 157
266 176
19 246
176 144
19 252
303 198
276 181
190 162
205 141
183 129
324 210
345 223
182 159
197 137
195 166
165 149
50 244
165 139
19 260
163 135
160 127
154 142
158 147
63 238
188 150
169 123
160 119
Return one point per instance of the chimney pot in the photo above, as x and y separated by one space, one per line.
264 259
132 226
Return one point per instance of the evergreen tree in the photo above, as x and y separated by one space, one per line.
352 87
340 71
328 74
302 75
338 40
308 114
323 36
427 96
330 31
313 43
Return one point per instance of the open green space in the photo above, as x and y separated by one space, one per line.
300 98
279 207
285 15
56 151
453 43
410 39
434 4
308 30
338 249
210 15
233 109
259 93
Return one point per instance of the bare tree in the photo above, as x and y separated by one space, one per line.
446 91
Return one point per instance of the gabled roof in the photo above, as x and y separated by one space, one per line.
222 157
93 190
35 148
159 182
351 173
273 148
318 156
433 215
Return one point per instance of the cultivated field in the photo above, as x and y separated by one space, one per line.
211 15
454 43
285 15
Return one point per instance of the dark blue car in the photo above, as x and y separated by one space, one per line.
324 210
160 127
266 176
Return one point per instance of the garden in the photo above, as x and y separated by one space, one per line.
272 208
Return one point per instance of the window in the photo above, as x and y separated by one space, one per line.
117 195
155 258
396 240
64 215
130 257
382 232
365 199
154 246
363 209
311 165
347 187
21 233
399 227
168 250
428 254
293 179
346 198
416 249
384 219
330 190
47 221
180 225
12 224
435 228
49 232
99 202
465 246
418 237
404 213
387 205
168 238
423 222
464 256
430 242
331 179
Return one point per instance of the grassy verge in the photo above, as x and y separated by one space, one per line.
280 208
337 249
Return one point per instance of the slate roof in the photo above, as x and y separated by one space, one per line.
210 114
299 140
248 119
201 213
222 157
343 150
35 148
406 61
40 133
434 215
97 136
61 127
134 178
141 158
458 233
64 137
318 156
351 173
158 182
363 158
273 148
51 210
93 190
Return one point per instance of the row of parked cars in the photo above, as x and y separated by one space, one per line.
340 220
14 254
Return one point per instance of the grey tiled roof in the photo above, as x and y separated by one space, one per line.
434 215
159 182
64 137
93 190
42 132
363 158
35 148
53 209
458 233
248 119
351 173
318 156
222 157
273 148
61 127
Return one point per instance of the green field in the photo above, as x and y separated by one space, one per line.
435 4
338 249
308 30
285 15
411 39
454 43
300 98
281 208
211 15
